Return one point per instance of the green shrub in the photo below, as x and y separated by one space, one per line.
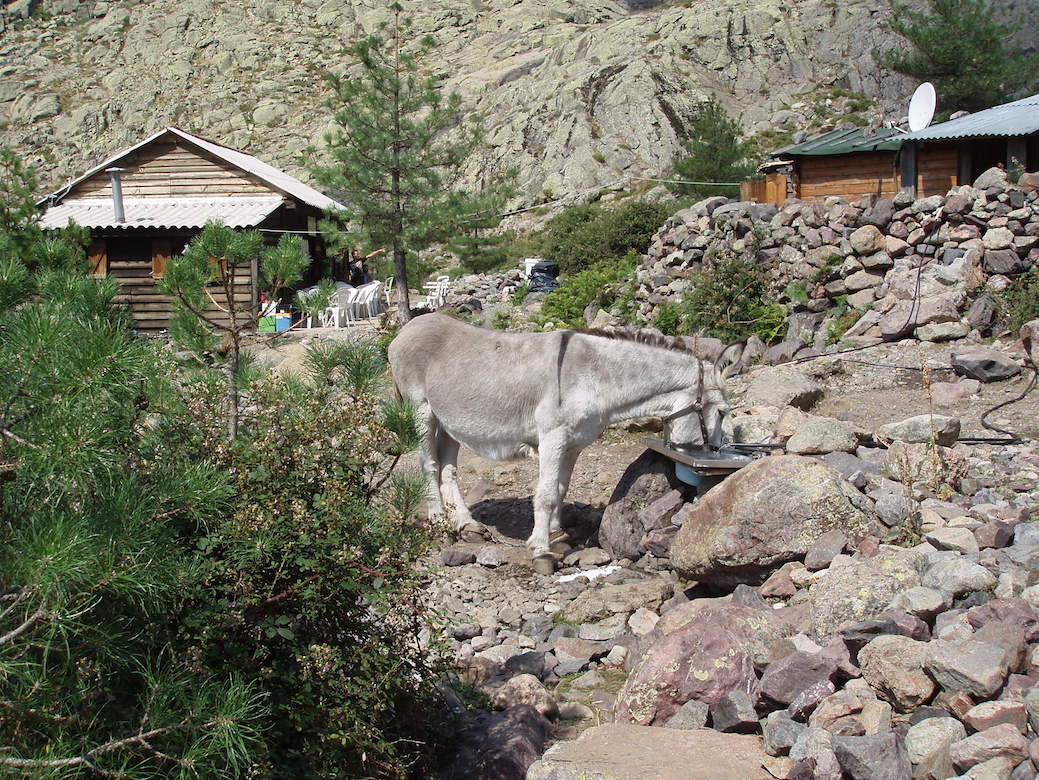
829 266
668 319
731 301
843 317
797 292
605 284
1019 302
583 236
308 581
502 320
521 293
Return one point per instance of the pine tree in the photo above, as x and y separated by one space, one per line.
963 48
714 153
394 164
91 560
216 257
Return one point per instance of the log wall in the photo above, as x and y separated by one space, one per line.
138 263
937 169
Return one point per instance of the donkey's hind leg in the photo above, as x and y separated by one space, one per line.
468 529
428 458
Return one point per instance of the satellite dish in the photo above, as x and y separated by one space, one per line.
921 107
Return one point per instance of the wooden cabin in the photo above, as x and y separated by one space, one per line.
950 154
845 163
851 163
146 203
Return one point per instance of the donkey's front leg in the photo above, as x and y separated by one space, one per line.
553 460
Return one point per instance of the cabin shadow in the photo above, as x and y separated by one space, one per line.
513 518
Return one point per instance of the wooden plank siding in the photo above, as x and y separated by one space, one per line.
848 176
937 169
151 310
169 170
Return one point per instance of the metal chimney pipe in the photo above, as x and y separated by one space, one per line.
117 194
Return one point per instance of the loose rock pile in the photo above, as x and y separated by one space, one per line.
484 289
926 268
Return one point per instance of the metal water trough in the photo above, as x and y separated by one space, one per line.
693 466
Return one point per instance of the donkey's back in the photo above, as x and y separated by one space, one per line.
453 366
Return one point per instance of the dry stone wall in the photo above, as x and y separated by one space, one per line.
927 268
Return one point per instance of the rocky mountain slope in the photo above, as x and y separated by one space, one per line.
577 95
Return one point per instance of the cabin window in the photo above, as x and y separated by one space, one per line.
97 257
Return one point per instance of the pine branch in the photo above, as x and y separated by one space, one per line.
32 620
88 759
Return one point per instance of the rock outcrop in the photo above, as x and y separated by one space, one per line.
578 96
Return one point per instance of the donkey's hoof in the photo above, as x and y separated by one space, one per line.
474 532
545 564
560 543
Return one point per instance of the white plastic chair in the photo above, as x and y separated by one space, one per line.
341 306
367 299
436 292
388 290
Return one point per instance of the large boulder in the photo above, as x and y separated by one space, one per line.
768 513
984 364
782 386
649 478
862 589
704 654
893 666
614 750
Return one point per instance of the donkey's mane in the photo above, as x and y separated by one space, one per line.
649 338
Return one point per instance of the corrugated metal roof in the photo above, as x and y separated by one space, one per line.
268 173
235 212
1021 117
846 142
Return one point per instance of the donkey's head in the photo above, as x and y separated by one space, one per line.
699 420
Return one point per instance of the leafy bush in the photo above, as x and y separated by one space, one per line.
731 301
309 578
583 236
797 292
1019 302
605 284
842 317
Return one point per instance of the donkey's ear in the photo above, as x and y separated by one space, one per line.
729 361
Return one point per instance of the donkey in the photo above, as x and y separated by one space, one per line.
549 395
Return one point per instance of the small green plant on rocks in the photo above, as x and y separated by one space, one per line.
520 294
1019 302
731 300
668 318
